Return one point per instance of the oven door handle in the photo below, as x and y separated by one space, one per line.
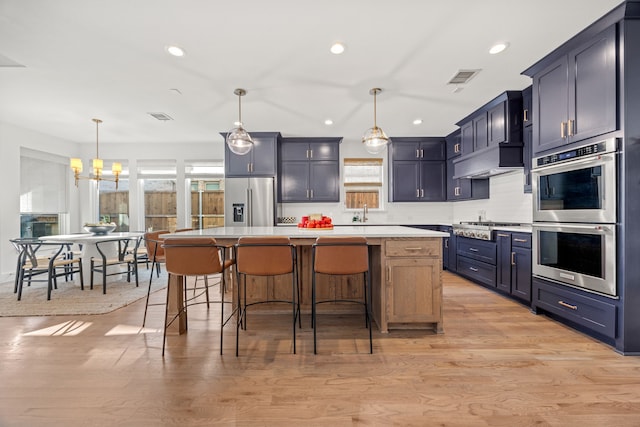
597 158
564 227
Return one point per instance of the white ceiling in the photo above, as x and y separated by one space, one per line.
107 59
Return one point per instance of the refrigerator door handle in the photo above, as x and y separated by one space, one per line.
249 207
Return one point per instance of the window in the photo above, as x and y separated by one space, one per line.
113 205
363 183
205 180
158 180
43 193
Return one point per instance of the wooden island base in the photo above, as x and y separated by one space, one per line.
406 277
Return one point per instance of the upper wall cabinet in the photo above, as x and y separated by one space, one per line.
575 94
309 170
527 135
260 161
491 138
418 169
462 188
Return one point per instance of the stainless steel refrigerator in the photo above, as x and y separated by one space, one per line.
249 202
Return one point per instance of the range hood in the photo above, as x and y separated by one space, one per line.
490 161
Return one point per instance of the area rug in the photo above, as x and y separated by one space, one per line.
69 299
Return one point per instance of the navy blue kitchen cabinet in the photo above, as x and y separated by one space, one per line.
575 94
260 161
462 188
454 144
476 260
309 170
586 311
418 169
497 122
449 249
527 106
491 138
527 136
480 131
513 273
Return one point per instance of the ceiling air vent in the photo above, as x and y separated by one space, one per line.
463 76
160 116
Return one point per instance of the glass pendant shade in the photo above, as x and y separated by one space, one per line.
238 140
374 139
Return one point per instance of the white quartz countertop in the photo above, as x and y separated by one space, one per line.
295 232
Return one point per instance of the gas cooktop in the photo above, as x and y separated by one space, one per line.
479 229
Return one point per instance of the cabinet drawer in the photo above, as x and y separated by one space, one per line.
477 271
522 240
404 248
477 249
596 315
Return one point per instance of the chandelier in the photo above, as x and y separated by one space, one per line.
238 139
374 139
76 165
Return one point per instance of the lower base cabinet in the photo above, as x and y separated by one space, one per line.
514 264
413 284
478 271
580 308
476 260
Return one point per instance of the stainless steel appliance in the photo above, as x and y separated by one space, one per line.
577 185
580 255
574 214
482 230
249 202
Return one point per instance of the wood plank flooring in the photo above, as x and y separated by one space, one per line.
497 364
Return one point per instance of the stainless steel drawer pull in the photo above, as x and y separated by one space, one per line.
414 249
473 269
473 249
521 240
502 235
564 304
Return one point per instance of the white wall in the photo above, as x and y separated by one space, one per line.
507 202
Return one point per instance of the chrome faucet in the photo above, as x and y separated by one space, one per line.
364 212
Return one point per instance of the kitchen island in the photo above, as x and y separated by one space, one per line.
405 264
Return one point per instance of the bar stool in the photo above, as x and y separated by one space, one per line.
155 252
266 256
196 256
341 256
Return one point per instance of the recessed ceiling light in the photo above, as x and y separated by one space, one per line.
175 50
417 122
337 48
498 47
328 122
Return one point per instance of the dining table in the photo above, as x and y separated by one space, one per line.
87 243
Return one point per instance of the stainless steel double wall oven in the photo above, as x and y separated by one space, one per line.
575 215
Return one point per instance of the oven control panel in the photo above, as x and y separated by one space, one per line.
575 153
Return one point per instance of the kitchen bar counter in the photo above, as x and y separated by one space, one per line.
406 273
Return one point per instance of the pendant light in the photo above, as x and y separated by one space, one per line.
374 139
238 139
98 165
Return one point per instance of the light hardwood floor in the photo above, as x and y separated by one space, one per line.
497 364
